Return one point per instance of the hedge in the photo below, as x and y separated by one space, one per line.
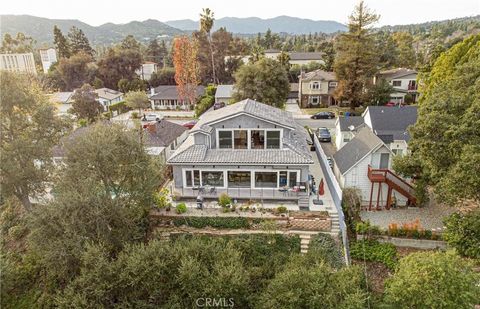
374 251
216 222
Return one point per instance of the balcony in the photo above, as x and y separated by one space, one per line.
245 193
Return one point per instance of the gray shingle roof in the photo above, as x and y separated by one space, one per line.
162 133
61 97
392 122
350 154
224 91
306 56
168 92
346 122
295 149
319 75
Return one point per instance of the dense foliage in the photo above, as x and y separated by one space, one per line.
463 233
433 280
265 81
445 140
215 222
374 251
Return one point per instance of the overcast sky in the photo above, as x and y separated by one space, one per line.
97 12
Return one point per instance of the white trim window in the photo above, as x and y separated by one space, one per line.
314 100
315 85
396 83
249 138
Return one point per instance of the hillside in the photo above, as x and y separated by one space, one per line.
41 29
250 25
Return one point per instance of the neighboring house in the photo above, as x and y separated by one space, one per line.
296 58
248 150
167 97
62 100
224 93
146 70
163 137
316 89
18 63
107 97
404 81
345 129
366 146
391 125
48 57
293 94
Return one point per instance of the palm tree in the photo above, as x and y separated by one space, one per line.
206 24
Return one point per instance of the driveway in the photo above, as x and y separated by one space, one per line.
316 123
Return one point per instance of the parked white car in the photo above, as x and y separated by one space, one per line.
151 117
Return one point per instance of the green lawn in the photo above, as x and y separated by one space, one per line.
311 111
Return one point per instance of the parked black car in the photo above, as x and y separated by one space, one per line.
218 105
323 115
324 135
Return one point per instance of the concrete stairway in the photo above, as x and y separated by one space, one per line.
304 242
335 223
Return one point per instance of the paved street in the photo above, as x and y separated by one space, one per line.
317 123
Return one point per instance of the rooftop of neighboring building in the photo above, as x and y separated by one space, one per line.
61 97
396 73
391 123
319 75
346 122
361 145
170 92
108 94
162 133
224 91
306 56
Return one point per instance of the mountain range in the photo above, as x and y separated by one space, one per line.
252 25
41 29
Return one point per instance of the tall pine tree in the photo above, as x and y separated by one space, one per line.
61 43
356 60
79 42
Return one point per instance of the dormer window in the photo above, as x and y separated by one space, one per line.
315 85
225 139
249 139
273 139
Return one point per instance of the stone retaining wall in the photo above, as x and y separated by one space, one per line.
412 243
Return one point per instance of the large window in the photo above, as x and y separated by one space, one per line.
212 178
239 179
225 139
188 178
258 139
283 178
265 179
273 139
196 178
292 179
192 178
240 140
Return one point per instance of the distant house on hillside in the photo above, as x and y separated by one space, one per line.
146 70
48 56
296 58
24 63
167 97
316 89
107 97
404 82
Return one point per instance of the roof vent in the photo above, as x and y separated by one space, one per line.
351 127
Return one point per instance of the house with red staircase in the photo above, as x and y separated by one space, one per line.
365 160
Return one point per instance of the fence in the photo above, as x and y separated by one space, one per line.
336 193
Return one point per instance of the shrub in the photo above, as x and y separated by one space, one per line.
224 200
433 280
119 107
181 208
463 233
323 246
135 115
365 228
216 222
373 251
282 209
161 200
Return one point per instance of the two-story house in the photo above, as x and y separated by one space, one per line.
367 144
315 89
248 150
403 81
107 97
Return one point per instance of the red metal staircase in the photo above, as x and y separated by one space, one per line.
394 182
